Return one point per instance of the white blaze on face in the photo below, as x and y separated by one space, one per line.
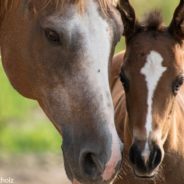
153 71
97 43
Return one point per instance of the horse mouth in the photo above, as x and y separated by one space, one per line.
77 182
144 175
100 181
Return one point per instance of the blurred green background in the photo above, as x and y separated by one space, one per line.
23 126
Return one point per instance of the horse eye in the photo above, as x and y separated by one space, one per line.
124 81
52 36
177 84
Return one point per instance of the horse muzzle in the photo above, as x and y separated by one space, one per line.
93 161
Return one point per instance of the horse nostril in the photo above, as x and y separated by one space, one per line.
133 154
155 157
91 165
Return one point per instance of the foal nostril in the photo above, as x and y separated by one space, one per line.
142 164
136 158
133 154
91 165
155 158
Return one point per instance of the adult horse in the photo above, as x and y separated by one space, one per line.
57 52
150 109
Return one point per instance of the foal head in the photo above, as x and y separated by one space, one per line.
58 52
152 74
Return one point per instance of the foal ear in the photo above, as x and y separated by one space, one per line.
177 24
128 17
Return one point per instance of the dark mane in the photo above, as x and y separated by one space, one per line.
153 21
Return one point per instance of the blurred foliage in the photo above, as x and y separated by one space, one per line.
23 127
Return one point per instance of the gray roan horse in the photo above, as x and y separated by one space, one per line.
57 52
150 110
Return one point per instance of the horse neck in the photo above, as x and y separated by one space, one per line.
175 141
2 10
1 18
5 5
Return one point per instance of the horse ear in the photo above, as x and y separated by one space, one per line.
177 24
128 17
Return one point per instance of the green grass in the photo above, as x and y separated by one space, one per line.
22 127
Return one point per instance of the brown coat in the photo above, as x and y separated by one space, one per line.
172 168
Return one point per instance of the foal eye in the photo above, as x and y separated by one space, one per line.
124 81
52 36
177 84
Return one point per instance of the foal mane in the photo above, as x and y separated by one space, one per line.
5 5
153 21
